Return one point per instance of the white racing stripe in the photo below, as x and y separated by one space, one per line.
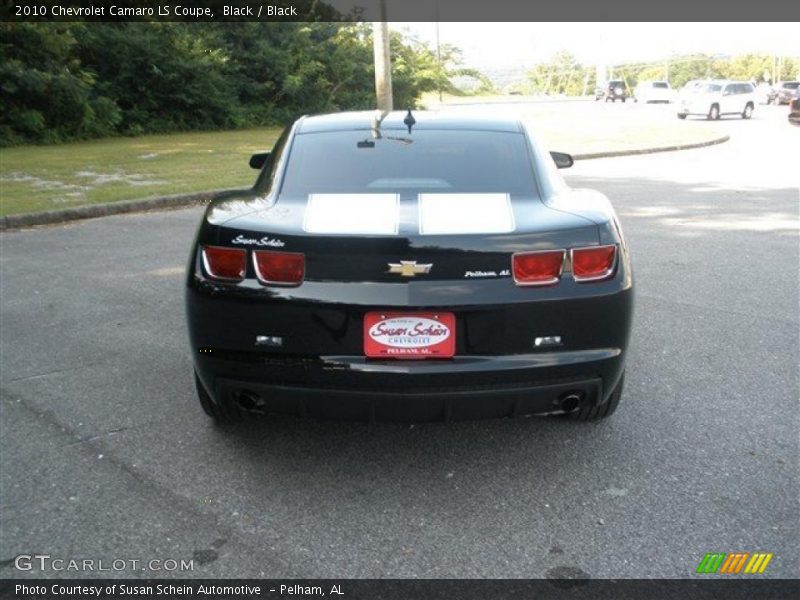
442 214
376 214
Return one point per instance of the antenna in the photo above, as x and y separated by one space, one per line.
409 121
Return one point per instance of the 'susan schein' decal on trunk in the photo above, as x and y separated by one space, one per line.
263 241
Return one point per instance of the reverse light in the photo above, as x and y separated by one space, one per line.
594 263
279 268
538 268
225 264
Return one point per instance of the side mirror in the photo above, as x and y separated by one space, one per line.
257 161
562 160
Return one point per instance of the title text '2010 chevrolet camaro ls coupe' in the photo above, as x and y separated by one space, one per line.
418 267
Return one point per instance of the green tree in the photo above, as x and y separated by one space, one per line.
163 76
563 74
63 81
45 93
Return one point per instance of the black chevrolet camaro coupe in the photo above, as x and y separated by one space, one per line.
420 267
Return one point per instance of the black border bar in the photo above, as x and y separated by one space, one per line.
700 588
402 10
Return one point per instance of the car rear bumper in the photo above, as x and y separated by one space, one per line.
468 387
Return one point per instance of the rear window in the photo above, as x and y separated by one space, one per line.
660 84
426 160
791 85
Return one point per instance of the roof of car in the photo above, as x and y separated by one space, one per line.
362 120
726 81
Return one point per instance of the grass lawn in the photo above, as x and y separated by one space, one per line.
37 178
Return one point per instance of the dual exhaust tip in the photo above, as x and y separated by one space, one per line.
571 401
249 401
252 402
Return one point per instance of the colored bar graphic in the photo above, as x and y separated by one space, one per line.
711 562
733 563
759 562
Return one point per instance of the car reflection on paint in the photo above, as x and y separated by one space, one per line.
416 267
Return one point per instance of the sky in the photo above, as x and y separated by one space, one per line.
514 45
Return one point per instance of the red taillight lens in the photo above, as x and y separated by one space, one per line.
280 268
537 268
226 264
593 264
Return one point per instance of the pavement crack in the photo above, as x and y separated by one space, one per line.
110 432
49 373
150 487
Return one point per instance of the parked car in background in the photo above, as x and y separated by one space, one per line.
692 85
653 91
785 91
689 88
765 93
794 108
719 97
615 90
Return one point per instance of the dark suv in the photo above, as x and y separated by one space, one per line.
794 108
616 90
786 92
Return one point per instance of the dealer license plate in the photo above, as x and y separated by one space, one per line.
409 335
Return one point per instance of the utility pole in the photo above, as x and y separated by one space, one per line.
601 68
383 62
438 55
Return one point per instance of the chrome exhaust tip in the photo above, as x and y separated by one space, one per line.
570 401
249 401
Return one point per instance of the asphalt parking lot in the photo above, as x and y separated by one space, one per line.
105 453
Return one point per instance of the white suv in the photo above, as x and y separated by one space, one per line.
715 98
653 91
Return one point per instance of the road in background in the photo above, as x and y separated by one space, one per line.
105 452
587 127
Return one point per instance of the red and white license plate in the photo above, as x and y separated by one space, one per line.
409 335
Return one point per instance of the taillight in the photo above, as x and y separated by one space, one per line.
225 264
279 268
537 268
593 263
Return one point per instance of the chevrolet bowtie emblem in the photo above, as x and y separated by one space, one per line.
409 268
